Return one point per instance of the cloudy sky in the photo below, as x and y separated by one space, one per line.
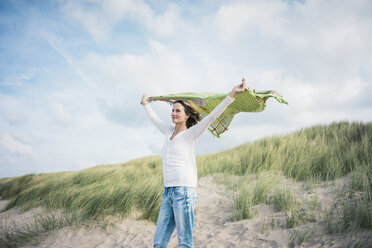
72 72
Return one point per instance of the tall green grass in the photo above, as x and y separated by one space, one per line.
16 235
252 190
320 152
349 216
323 152
95 193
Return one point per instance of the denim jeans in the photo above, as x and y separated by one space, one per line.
177 210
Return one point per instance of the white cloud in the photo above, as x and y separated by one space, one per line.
94 22
350 90
99 18
13 118
59 114
12 109
15 147
162 69
238 18
314 38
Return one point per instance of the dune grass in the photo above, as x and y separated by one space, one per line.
318 153
96 192
349 215
284 199
16 235
252 190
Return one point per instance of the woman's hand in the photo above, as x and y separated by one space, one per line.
145 99
239 88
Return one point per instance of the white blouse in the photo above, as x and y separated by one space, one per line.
179 163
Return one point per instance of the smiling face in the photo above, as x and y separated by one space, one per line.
178 114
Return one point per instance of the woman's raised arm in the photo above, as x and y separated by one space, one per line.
153 116
199 128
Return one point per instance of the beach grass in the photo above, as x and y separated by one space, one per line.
29 232
320 153
96 192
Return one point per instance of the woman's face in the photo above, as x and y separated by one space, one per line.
178 114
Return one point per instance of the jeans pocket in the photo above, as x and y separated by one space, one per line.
179 192
185 196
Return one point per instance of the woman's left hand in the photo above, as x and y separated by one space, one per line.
239 88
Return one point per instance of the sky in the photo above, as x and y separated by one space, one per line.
72 72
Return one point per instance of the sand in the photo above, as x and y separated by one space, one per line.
213 225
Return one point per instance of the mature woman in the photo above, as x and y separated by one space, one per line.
179 167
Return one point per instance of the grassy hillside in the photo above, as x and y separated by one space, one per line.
319 152
315 154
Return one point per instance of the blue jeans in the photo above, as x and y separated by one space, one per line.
177 210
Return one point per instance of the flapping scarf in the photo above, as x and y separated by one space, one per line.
247 101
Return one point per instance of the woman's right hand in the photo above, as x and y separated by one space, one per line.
145 99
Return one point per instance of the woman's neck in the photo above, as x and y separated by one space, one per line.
180 127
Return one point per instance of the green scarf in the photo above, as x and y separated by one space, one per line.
247 101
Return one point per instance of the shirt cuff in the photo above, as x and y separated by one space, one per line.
229 98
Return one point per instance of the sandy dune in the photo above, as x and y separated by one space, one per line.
213 226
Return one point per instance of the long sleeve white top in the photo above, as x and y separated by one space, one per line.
178 157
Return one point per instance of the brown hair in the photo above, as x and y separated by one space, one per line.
193 114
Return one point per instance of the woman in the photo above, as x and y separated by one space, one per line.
179 167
